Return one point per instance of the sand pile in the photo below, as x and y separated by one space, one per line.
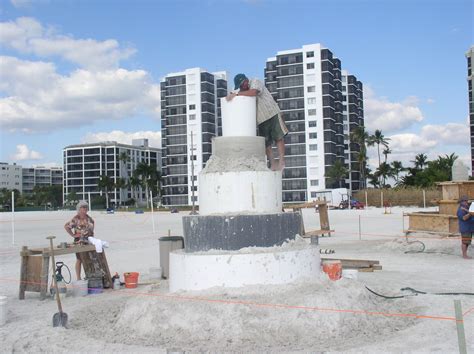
292 317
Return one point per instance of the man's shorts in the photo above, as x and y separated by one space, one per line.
466 238
272 130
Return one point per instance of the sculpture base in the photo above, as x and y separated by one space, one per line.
191 271
233 232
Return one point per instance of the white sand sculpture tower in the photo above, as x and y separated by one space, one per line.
240 206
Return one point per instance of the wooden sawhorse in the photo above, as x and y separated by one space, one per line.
34 269
323 218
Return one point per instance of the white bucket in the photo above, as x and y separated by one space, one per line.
155 273
3 310
350 273
79 288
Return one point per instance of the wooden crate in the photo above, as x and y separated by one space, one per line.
448 207
455 190
432 222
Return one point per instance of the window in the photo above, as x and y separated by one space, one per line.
313 147
192 117
192 106
311 78
314 183
311 100
311 88
309 54
311 112
312 123
310 66
313 135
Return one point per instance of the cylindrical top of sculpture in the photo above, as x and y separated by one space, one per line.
238 116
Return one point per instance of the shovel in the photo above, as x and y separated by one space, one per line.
59 318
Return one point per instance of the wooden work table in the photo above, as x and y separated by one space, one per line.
34 271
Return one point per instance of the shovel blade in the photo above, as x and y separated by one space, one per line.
60 319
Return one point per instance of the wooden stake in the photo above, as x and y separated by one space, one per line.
460 327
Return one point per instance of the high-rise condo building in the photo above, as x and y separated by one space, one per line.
190 118
470 77
321 104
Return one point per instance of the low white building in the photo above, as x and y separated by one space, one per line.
10 176
84 164
40 176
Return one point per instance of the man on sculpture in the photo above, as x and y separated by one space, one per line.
270 123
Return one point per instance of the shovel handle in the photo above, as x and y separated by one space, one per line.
60 308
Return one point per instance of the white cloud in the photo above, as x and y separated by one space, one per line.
449 134
37 98
21 3
154 137
29 36
430 101
24 153
432 140
388 116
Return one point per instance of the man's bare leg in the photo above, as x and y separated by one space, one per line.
464 251
281 153
269 152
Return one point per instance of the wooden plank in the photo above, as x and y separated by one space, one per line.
23 276
324 217
308 205
317 233
302 230
69 250
433 222
438 233
366 270
33 273
448 207
44 276
95 266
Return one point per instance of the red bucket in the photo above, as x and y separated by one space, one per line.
333 269
131 279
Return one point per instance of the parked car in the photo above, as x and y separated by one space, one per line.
355 204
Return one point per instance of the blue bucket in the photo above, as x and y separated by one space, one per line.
95 286
93 291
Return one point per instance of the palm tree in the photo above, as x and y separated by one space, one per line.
106 184
420 161
337 172
121 184
378 139
148 176
360 136
397 168
134 183
123 158
384 171
386 152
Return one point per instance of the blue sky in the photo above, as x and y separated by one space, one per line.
83 71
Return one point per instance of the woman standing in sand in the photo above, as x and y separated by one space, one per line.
80 227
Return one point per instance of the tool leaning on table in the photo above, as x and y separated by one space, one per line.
35 266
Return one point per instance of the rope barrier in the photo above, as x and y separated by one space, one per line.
269 305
